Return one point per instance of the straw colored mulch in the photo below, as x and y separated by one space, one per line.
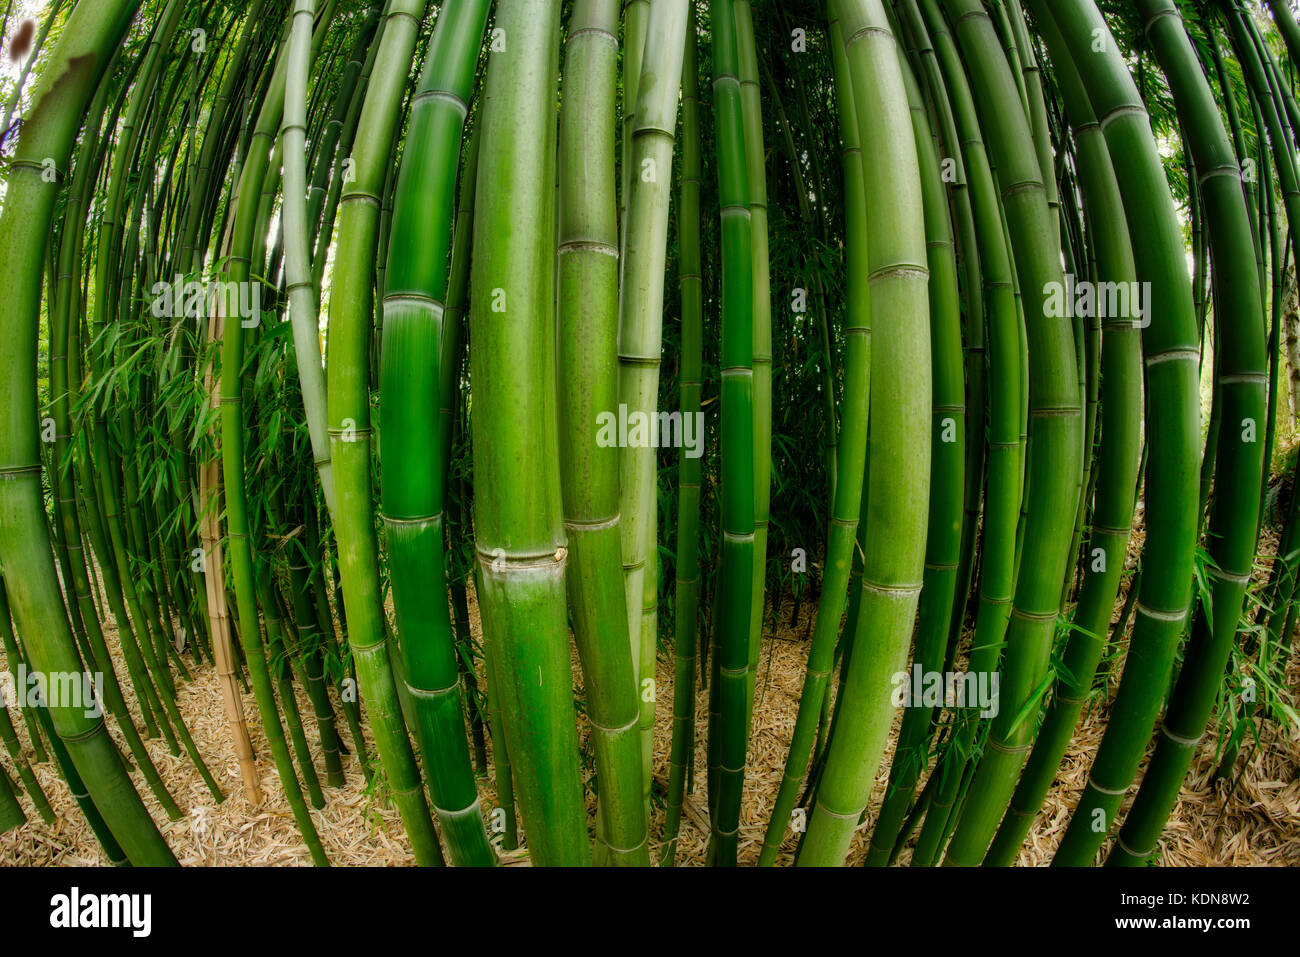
1259 824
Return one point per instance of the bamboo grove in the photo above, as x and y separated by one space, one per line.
442 377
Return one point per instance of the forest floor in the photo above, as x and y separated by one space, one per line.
1257 824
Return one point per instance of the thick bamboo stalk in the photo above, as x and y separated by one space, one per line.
348 398
900 434
1116 468
1171 355
1234 516
850 457
1053 462
517 524
60 100
410 453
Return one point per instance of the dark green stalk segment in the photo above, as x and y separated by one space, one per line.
1172 354
892 568
1002 489
588 368
841 535
348 397
11 812
59 103
1116 468
751 106
516 469
687 606
728 737
1240 467
947 483
1054 456
411 451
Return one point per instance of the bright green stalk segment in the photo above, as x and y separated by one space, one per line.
640 331
516 468
947 484
348 394
729 733
1002 491
60 99
411 451
64 322
690 379
1116 468
588 368
900 436
299 285
751 107
1240 466
1054 457
1172 355
841 535
242 242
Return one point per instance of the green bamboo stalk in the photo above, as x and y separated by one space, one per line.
900 437
1053 462
1171 356
516 468
588 367
640 334
1242 465
690 379
297 223
21 764
947 482
11 812
348 397
728 732
1002 492
1116 469
60 99
851 455
751 107
410 455
242 242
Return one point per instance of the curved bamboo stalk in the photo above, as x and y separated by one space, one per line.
1053 463
1241 462
900 436
348 397
1171 356
60 100
409 382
